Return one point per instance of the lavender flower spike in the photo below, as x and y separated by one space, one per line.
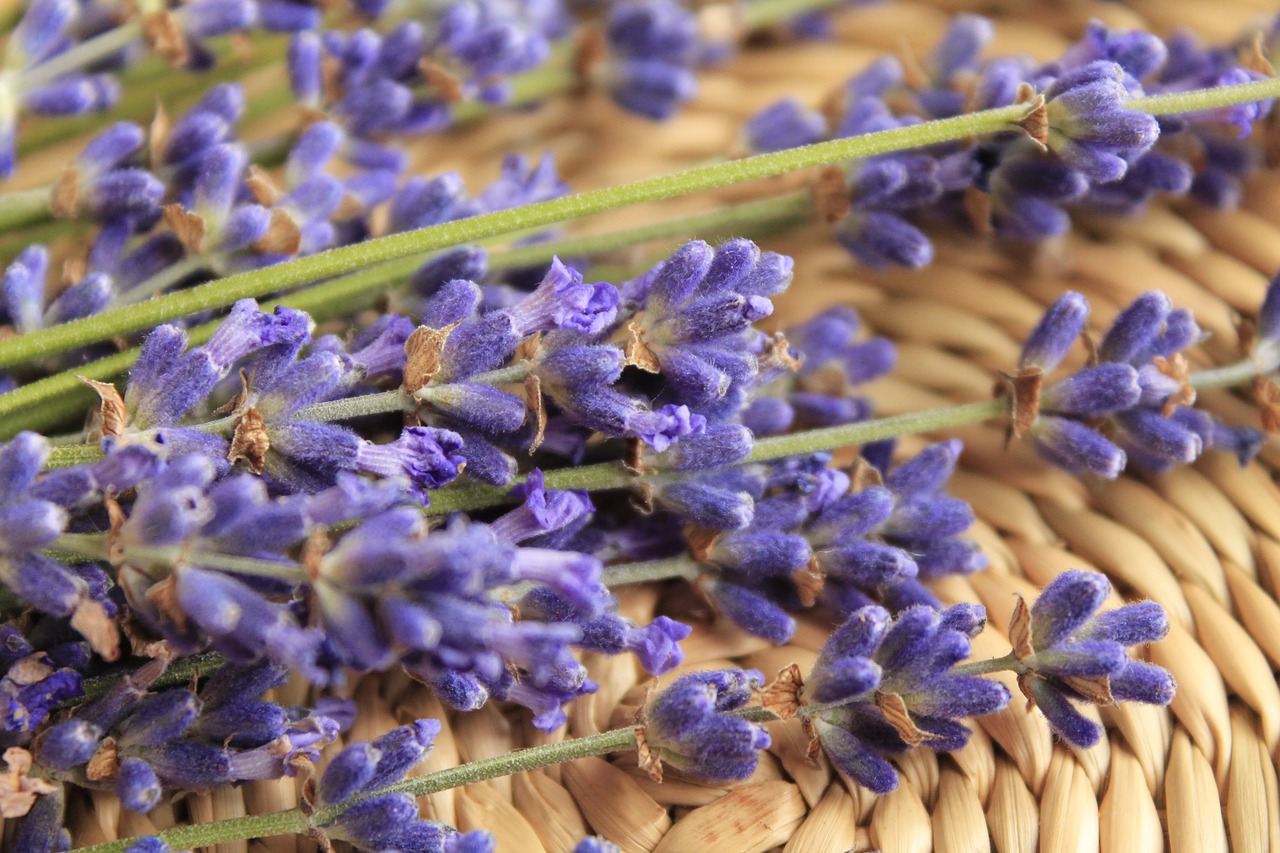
387 821
1073 653
882 685
689 727
1056 333
1089 126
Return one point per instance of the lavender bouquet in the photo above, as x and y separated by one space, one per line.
290 420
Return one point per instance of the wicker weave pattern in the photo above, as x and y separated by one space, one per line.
1204 542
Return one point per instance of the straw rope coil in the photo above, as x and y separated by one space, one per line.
1204 542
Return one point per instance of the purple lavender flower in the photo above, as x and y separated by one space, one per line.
483 42
36 680
22 289
580 379
1088 124
656 646
881 685
1140 387
1071 653
717 500
693 321
166 383
784 124
27 526
830 356
382 821
40 830
385 594
542 512
563 301
43 32
653 50
689 726
142 744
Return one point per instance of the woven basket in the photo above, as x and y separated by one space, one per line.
1204 541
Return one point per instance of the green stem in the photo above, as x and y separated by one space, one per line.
257 283
58 398
1200 100
94 546
154 79
845 435
91 545
762 13
163 280
24 207
84 54
1240 373
292 822
614 475
67 455
520 761
502 376
684 567
179 672
1008 663
394 400
288 572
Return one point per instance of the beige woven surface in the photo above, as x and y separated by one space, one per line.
1203 541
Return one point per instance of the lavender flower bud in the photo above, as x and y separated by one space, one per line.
68 744
752 612
1076 654
784 124
1089 126
1056 332
137 785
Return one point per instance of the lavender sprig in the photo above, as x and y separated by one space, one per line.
1086 148
122 321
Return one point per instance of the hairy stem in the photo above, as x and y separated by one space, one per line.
94 546
163 280
1240 373
1007 663
82 55
394 400
765 12
24 207
684 567
181 671
614 475
292 822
